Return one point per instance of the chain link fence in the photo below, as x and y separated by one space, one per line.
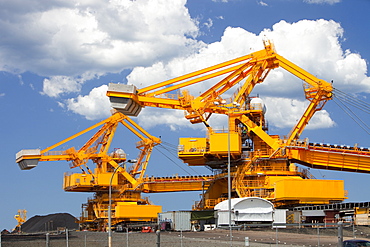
307 235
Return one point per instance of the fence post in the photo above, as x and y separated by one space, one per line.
277 241
47 239
126 236
318 234
181 237
158 233
67 237
246 241
353 229
340 234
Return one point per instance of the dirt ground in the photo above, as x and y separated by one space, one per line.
219 238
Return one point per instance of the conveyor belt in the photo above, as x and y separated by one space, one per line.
331 157
176 183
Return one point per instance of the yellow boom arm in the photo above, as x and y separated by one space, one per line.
96 149
252 68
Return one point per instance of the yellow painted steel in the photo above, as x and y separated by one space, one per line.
176 184
136 212
262 165
253 68
78 182
126 180
256 129
192 150
219 143
309 191
362 216
259 161
21 217
127 183
329 158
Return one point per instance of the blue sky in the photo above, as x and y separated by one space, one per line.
57 57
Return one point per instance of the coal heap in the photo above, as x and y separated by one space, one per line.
49 222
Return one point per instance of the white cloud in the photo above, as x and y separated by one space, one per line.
235 42
262 3
315 46
312 45
322 1
57 85
208 24
72 42
93 106
151 117
285 113
67 39
21 80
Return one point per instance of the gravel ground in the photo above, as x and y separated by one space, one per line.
219 238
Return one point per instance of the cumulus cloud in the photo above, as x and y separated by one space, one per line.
235 42
285 113
56 85
316 47
94 105
150 117
67 39
71 42
313 45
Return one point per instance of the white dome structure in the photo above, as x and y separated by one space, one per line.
258 104
245 210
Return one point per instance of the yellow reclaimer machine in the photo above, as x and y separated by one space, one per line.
127 183
262 165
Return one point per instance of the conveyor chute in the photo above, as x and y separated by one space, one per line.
28 158
124 105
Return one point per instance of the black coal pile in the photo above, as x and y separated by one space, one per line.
51 222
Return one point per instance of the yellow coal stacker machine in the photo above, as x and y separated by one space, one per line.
110 170
262 165
129 209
